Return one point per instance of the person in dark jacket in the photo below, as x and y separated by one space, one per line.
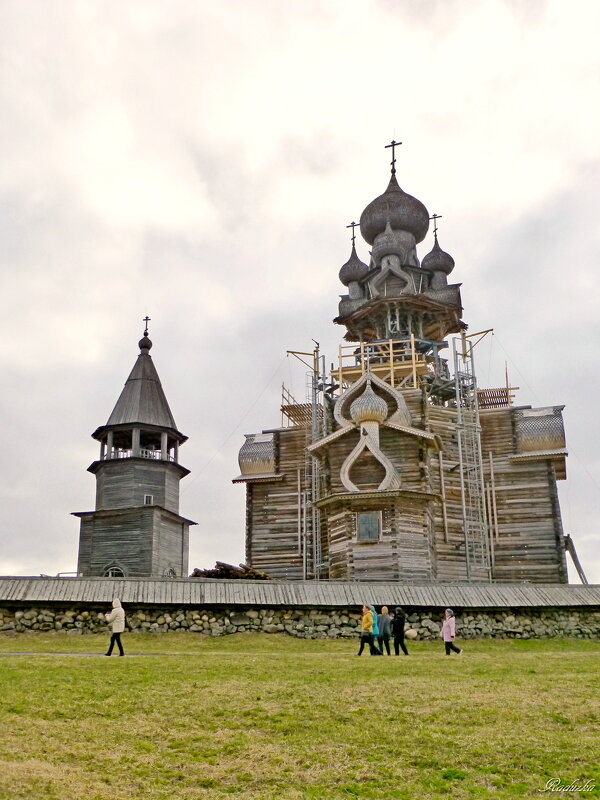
398 630
384 623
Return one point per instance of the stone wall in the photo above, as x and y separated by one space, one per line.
313 623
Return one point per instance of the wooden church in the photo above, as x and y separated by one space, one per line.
398 466
136 529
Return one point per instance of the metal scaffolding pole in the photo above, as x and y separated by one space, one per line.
475 526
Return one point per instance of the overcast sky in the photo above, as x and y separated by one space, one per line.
198 162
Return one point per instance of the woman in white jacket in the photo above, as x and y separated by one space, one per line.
116 619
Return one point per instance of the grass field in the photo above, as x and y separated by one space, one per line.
259 716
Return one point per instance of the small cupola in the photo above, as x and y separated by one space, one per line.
368 407
354 270
437 260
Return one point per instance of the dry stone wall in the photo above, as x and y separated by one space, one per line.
307 623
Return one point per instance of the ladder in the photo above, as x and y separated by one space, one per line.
475 527
311 524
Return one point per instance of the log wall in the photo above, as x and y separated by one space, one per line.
144 541
274 511
123 483
420 540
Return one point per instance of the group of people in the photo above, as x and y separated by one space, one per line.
378 629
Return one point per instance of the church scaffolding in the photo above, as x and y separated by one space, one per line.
396 466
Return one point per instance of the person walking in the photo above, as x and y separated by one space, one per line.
398 630
384 622
377 651
366 631
448 632
116 619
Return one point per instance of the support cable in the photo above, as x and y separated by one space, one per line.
235 429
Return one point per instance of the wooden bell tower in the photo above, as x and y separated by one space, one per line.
136 529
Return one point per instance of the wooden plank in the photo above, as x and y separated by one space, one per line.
286 594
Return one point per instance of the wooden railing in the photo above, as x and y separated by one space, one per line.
396 361
156 455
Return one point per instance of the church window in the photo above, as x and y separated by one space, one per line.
368 526
148 499
113 571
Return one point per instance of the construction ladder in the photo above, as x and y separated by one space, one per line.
471 466
312 555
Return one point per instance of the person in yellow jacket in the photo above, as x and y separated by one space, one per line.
366 631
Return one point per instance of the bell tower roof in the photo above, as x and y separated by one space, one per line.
142 400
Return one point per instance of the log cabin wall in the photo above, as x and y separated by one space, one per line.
405 547
86 541
449 538
122 483
421 540
341 527
142 542
405 454
170 544
274 510
411 540
525 522
121 538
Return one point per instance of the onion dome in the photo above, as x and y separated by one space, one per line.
354 269
369 407
437 260
392 242
145 343
404 213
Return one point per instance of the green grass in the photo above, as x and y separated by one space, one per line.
261 716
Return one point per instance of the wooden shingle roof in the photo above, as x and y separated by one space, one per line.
326 594
143 398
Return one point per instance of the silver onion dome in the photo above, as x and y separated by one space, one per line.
392 242
354 269
403 211
438 260
368 407
145 343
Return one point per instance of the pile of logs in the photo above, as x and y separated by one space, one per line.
228 572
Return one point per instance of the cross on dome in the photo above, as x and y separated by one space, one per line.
435 218
353 225
393 144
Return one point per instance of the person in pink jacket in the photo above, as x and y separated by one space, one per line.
448 632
